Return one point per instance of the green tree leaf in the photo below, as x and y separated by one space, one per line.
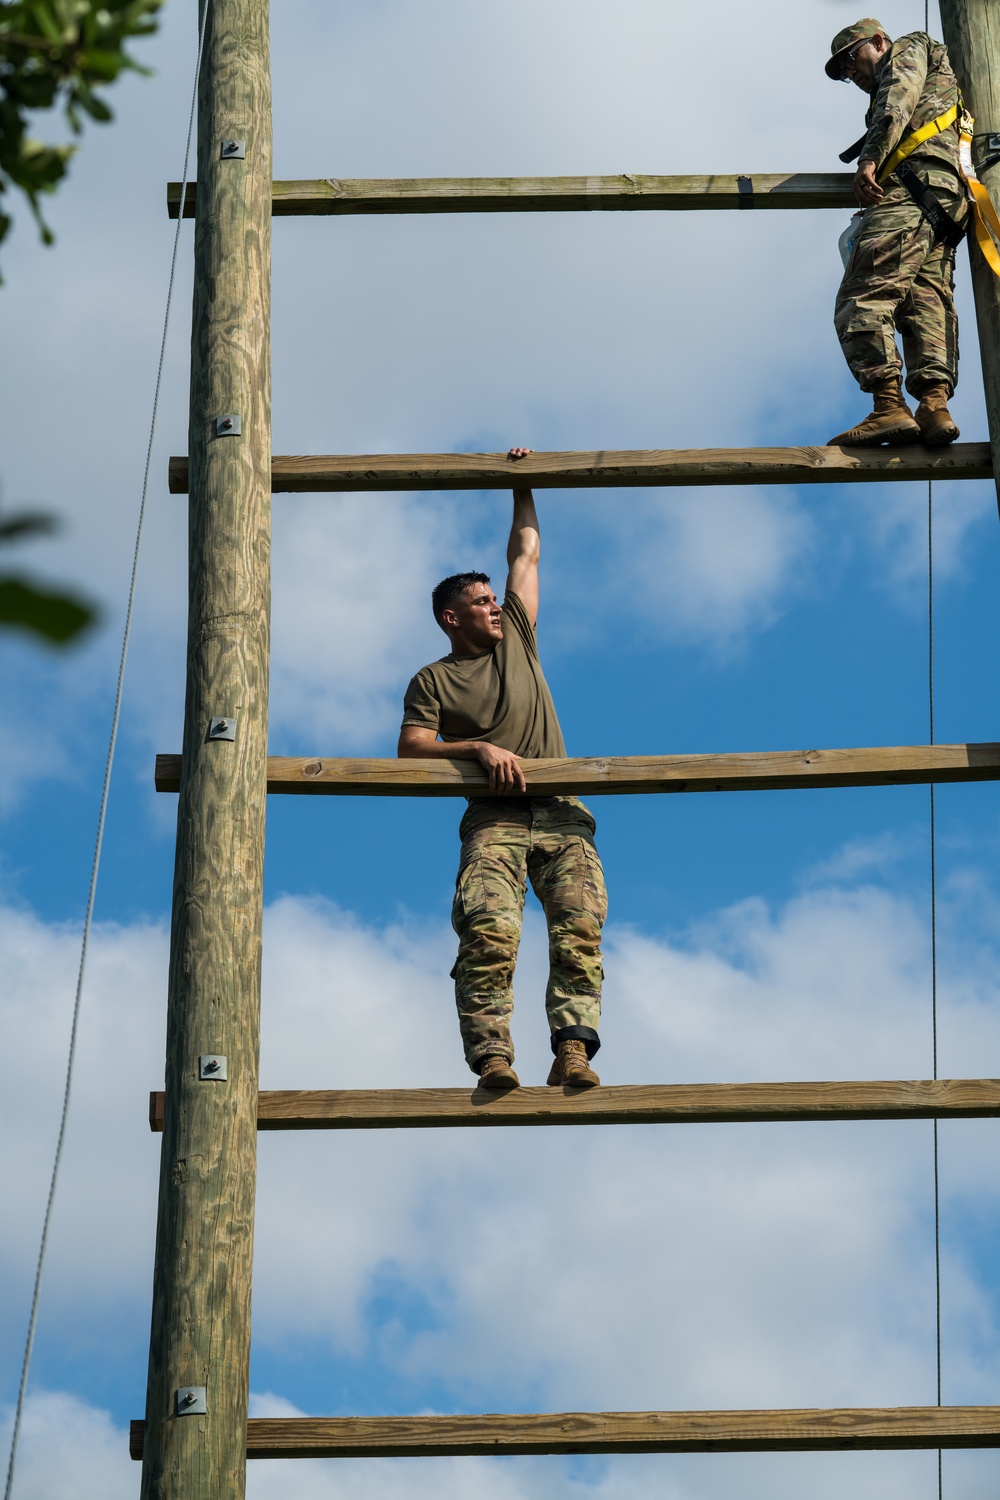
55 54
58 618
29 523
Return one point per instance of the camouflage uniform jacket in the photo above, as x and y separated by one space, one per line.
914 83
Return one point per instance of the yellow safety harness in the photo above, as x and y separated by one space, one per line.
910 144
985 219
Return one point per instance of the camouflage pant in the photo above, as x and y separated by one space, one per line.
505 843
898 279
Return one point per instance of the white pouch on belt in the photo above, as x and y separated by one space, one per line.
846 242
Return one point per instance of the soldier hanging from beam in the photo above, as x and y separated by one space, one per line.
487 700
899 273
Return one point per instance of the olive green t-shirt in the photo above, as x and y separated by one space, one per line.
500 696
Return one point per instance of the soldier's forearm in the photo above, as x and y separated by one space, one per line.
524 532
428 749
524 508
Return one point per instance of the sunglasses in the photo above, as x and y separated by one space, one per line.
849 59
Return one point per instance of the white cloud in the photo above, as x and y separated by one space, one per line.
833 983
426 332
629 1267
897 530
711 566
353 576
648 1267
102 1230
747 1223
861 857
69 1449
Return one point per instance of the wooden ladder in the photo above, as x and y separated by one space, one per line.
195 1438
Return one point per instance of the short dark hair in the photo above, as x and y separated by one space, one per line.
450 588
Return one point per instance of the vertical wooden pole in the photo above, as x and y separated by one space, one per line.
204 1237
971 32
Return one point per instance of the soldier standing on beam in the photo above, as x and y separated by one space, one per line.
487 700
900 271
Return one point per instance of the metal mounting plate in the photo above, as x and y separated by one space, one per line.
212 1065
230 425
989 150
222 729
233 150
190 1401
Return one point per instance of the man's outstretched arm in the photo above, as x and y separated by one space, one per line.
524 545
501 766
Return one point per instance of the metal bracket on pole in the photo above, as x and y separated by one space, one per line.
989 148
190 1401
212 1065
231 425
233 150
222 729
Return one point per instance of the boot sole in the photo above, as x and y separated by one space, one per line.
498 1083
941 438
900 437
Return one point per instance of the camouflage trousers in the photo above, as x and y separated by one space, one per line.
506 843
899 280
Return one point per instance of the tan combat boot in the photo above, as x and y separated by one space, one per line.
935 421
497 1073
571 1067
891 422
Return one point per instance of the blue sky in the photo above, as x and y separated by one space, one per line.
751 936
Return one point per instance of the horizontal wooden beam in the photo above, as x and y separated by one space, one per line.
624 1104
771 770
605 469
797 1431
491 195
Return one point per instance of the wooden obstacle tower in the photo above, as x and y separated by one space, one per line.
195 1439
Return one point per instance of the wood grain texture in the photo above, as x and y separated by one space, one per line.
769 770
484 195
971 32
605 469
204 1239
623 1104
499 1435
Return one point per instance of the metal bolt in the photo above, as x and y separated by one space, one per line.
212 1067
227 421
190 1398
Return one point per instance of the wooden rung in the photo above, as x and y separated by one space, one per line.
484 195
774 770
606 469
629 1104
816 1431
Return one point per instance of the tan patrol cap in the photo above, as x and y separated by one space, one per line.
847 38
